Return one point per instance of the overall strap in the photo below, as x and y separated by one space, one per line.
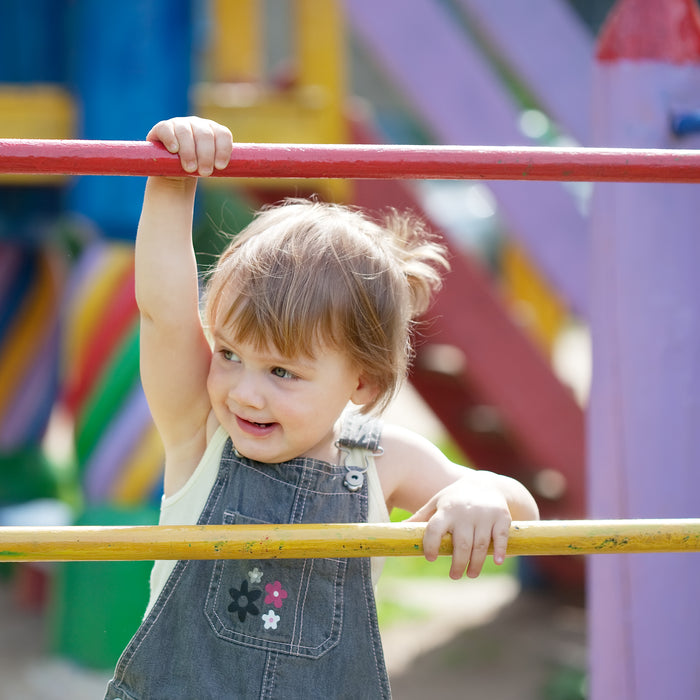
360 431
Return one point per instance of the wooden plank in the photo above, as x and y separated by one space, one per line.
546 45
644 442
453 90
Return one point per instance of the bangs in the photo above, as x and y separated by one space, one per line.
292 309
292 329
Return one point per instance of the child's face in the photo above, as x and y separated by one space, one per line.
277 408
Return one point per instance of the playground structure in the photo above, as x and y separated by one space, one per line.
487 380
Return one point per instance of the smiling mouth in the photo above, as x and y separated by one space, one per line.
254 427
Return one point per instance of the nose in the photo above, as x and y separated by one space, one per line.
247 390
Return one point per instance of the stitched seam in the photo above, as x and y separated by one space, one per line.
371 622
299 464
340 492
299 610
269 675
370 607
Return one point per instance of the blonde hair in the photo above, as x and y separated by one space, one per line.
307 272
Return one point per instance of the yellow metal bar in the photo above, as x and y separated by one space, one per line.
133 543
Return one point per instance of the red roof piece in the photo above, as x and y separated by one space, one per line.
657 30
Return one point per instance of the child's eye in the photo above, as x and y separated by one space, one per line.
230 356
282 373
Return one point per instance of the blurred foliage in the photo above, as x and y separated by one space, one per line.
567 684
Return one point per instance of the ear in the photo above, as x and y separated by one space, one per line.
364 392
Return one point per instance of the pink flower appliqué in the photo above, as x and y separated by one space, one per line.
275 594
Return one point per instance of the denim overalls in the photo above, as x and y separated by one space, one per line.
266 628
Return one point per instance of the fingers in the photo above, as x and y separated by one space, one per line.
196 142
435 530
470 545
165 133
202 144
500 541
422 515
479 550
462 553
224 147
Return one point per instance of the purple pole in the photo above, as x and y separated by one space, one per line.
644 414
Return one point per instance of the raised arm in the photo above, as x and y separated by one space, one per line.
175 354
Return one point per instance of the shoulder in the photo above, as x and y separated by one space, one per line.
412 468
398 442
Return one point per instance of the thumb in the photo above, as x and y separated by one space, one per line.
423 514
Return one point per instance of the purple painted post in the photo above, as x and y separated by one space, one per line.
644 424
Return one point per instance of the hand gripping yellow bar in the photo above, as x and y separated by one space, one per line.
131 543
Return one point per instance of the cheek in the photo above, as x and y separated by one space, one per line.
333 398
214 383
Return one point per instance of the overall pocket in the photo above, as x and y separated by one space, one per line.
293 606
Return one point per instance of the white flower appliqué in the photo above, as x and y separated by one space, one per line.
255 575
270 619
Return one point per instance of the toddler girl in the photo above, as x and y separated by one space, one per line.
307 313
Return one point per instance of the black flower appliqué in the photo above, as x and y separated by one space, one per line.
244 601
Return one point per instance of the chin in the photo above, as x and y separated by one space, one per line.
256 454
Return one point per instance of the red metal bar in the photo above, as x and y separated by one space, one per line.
22 156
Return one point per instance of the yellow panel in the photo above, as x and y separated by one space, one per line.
312 111
35 111
539 311
256 115
235 52
322 59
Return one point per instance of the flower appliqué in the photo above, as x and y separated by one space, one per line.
244 601
270 619
275 594
255 575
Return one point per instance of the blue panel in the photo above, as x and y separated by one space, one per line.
130 66
32 41
26 213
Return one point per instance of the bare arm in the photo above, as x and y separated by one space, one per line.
476 507
175 354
